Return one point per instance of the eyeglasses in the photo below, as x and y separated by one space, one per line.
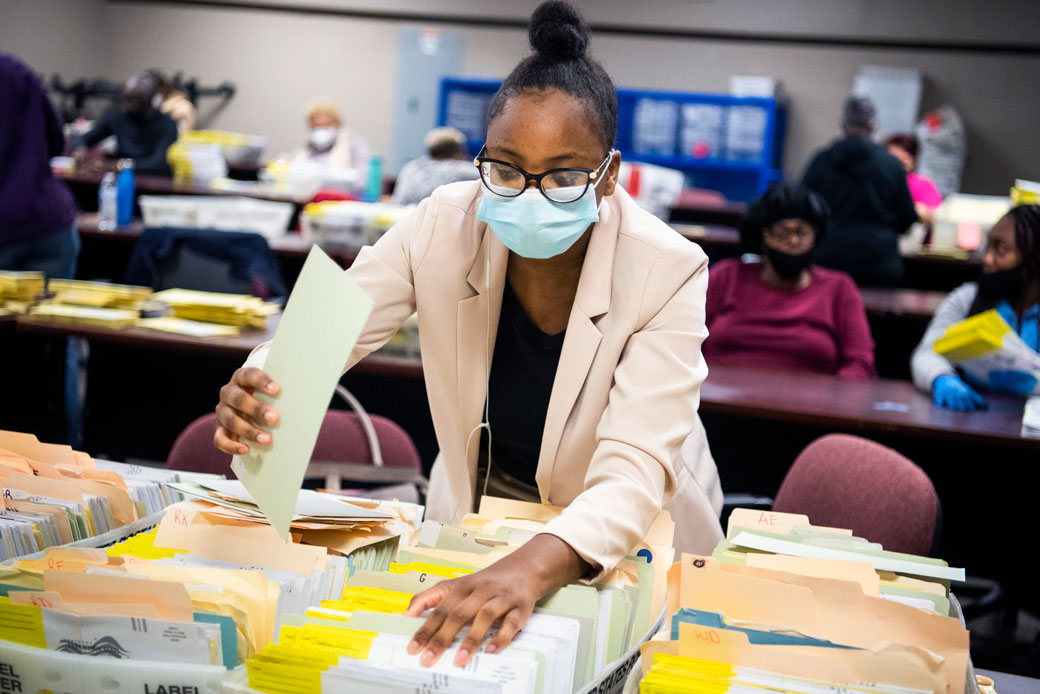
558 185
783 233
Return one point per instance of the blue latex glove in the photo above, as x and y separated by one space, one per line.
1013 381
952 393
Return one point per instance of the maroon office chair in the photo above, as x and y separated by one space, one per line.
352 446
846 481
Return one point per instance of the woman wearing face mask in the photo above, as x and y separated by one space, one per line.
594 313
782 311
1010 283
328 142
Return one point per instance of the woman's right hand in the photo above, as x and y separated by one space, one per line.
241 415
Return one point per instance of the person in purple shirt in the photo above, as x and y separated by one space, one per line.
781 311
37 211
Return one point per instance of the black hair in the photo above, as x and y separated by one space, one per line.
906 142
445 149
560 38
1026 219
156 79
782 201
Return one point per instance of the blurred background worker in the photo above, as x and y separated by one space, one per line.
329 142
926 195
782 311
1010 283
870 203
37 212
446 161
172 101
142 133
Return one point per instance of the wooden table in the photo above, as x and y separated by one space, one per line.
879 406
236 347
722 212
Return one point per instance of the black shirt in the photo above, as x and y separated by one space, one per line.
871 206
523 369
143 140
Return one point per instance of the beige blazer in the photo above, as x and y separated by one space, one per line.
627 388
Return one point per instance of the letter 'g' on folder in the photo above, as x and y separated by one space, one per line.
322 322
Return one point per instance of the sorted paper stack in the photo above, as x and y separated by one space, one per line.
203 592
21 286
577 639
365 529
790 607
53 495
1025 192
98 294
81 315
226 309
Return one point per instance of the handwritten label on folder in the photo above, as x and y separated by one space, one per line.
321 324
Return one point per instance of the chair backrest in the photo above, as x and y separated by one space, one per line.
185 268
341 439
849 482
206 260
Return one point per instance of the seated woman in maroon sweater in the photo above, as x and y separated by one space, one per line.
781 311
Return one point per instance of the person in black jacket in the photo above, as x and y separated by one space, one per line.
142 133
870 203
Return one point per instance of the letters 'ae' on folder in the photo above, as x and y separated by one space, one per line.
322 322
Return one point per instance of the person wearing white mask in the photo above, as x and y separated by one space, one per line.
594 312
329 142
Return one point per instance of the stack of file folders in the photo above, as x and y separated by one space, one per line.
53 495
178 606
785 606
21 286
98 294
577 639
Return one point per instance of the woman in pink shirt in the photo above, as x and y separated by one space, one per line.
781 311
926 195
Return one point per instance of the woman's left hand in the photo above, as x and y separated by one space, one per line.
506 591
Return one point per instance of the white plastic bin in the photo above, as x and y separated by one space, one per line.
271 219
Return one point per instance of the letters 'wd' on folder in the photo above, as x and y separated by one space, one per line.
322 321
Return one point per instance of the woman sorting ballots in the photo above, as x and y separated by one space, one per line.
594 313
1010 283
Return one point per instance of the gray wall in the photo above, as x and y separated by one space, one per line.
281 60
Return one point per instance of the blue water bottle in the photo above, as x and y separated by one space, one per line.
125 192
374 189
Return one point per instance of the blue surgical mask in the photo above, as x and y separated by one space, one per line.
532 226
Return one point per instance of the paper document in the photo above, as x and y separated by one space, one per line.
322 322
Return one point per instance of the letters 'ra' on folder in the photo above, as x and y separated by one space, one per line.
322 322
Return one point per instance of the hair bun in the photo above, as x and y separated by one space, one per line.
558 31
